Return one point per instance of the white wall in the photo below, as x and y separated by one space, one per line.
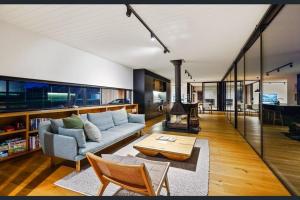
29 55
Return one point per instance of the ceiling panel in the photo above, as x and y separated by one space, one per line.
208 37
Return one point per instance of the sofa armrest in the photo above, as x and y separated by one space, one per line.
60 146
136 118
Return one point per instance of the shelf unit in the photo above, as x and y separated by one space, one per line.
25 117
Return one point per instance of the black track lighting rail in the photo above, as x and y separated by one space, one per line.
130 11
290 64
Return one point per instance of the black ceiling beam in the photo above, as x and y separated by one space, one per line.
130 11
268 17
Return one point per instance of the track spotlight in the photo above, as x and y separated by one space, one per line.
267 74
166 50
291 65
152 37
278 70
128 12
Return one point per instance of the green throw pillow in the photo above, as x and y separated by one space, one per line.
73 122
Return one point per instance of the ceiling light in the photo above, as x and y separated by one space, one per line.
152 37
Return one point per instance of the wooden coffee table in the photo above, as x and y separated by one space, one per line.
180 150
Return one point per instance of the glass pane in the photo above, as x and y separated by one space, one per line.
228 102
16 97
77 96
252 108
129 96
36 94
232 97
58 97
281 92
210 96
2 86
240 96
93 96
113 96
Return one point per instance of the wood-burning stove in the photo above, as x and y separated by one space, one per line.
181 117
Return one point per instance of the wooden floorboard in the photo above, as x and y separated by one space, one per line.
235 169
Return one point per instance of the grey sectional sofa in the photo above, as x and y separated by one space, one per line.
114 126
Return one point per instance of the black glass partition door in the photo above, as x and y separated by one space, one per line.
240 95
281 84
253 90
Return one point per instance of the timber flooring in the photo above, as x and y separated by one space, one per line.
235 169
283 155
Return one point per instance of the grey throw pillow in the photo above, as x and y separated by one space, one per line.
78 134
92 131
55 124
136 118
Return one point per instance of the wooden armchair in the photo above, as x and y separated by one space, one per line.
130 173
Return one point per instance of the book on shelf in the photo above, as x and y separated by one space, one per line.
12 146
35 122
34 142
3 150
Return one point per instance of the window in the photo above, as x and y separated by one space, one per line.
93 96
16 95
114 96
58 96
36 94
19 95
77 96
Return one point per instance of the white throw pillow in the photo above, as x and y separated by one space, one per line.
92 131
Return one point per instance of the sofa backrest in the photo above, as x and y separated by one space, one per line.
119 117
102 120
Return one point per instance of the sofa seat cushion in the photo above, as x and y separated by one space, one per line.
102 120
128 128
108 138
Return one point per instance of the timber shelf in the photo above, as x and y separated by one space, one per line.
26 116
13 132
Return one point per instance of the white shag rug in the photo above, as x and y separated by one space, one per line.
188 178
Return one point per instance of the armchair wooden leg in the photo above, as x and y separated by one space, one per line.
78 165
167 185
102 188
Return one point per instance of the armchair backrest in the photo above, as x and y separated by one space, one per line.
131 177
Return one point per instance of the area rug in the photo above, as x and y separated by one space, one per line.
188 178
